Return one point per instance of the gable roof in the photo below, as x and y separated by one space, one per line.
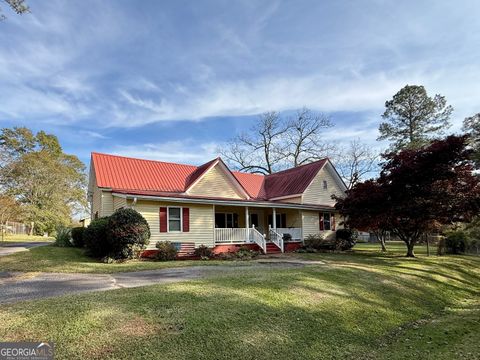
198 172
292 181
125 174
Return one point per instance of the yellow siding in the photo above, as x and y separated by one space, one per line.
294 219
119 203
96 202
201 223
107 203
311 224
215 183
315 194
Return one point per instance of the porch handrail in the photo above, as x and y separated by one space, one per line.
276 238
231 235
258 238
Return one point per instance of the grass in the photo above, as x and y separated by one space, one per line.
361 305
73 260
25 238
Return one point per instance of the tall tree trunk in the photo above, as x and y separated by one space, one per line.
410 245
382 242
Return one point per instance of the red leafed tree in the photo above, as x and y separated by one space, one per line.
364 209
419 189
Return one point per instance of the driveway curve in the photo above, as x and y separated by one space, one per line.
17 286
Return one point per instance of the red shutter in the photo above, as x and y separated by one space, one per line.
186 219
332 221
320 217
163 219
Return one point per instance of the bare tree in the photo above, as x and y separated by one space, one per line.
18 6
356 161
276 142
258 151
303 138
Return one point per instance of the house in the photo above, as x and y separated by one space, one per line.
214 206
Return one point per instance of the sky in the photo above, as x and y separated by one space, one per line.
175 80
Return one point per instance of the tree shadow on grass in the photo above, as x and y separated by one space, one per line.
315 312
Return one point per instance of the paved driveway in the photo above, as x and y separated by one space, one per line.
17 286
13 247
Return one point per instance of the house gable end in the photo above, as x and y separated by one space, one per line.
217 181
315 193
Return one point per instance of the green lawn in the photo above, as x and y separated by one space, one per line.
361 305
23 238
72 260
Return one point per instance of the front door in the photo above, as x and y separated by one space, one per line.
256 218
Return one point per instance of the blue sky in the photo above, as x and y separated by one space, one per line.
174 80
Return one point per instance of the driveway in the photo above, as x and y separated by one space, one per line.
8 248
17 286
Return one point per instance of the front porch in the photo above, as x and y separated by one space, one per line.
267 228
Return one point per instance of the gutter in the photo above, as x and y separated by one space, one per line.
260 204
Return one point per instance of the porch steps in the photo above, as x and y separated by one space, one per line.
272 248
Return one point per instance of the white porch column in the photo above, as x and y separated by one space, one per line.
274 219
214 231
247 224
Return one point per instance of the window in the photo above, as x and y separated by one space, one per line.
325 185
281 220
226 220
174 219
326 221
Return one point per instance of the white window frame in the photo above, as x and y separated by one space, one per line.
325 185
168 219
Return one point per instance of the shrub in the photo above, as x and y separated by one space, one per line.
456 242
243 253
318 242
63 237
441 248
127 233
77 236
95 238
203 252
166 251
344 239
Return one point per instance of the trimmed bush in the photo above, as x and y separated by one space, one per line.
203 252
166 251
318 242
345 239
127 234
95 238
63 237
77 236
243 253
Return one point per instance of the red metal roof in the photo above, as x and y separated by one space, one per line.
292 181
125 174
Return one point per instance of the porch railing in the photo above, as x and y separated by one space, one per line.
295 232
276 238
258 239
231 235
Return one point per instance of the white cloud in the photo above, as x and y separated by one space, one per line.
186 151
